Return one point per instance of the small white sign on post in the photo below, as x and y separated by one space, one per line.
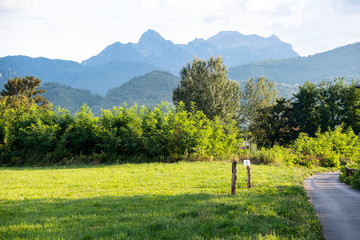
246 162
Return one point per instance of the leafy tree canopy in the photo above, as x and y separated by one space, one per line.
272 124
259 94
326 105
206 84
24 88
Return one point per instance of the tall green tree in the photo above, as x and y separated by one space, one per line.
350 111
326 105
305 114
26 88
206 84
257 95
272 126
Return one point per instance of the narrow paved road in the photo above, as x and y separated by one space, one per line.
337 205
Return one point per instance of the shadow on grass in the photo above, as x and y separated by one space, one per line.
187 216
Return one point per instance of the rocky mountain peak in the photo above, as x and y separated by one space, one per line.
152 43
151 36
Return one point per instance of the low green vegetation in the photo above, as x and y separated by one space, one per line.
32 135
333 148
185 200
354 179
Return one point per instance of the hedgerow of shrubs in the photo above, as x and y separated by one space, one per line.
332 148
31 135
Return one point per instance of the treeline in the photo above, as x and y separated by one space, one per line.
320 125
314 108
34 135
211 118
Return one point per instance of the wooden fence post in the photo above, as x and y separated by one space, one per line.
249 176
233 178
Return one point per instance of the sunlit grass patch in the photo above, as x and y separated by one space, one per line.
155 201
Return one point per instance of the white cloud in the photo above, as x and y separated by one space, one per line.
78 29
260 6
14 5
150 4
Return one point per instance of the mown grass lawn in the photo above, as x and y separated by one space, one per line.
186 200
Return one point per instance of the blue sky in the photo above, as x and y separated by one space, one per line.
78 29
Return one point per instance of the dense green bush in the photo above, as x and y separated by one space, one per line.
27 132
353 180
32 135
277 155
37 136
331 148
120 130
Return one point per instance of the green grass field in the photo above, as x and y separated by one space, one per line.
186 200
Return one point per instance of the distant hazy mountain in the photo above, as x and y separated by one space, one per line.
64 72
339 62
235 48
98 79
118 63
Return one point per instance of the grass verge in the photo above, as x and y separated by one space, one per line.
186 200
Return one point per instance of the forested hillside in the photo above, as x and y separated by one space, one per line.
71 98
149 90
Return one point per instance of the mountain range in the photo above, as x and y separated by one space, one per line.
118 63
147 72
98 79
339 62
234 47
